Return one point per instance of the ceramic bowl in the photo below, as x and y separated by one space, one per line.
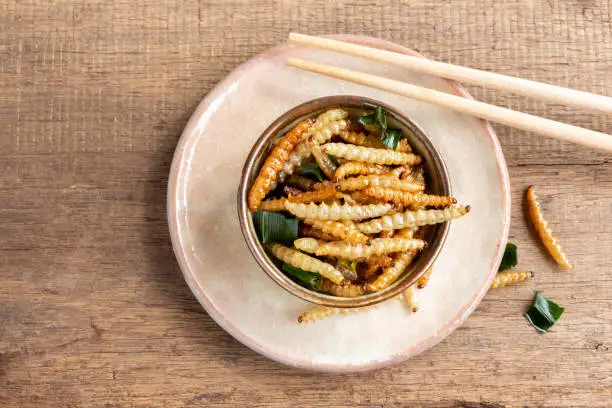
438 182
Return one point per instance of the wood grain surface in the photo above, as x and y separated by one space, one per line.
93 309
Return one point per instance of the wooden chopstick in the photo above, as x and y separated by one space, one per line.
519 120
525 87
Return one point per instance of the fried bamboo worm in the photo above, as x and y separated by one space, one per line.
321 312
407 198
544 231
337 212
274 205
343 290
310 231
361 139
370 155
305 262
329 123
424 279
324 185
316 196
325 163
344 230
509 278
361 198
301 182
412 218
363 182
344 250
352 168
410 299
324 127
374 264
274 163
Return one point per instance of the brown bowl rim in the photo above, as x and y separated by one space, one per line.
256 248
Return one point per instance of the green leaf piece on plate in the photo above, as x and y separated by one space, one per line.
367 119
312 169
510 258
275 227
543 313
391 138
308 279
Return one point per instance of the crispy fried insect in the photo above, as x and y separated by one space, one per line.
352 168
344 250
363 182
374 264
315 196
399 265
305 262
361 139
325 163
424 279
407 198
344 290
301 182
337 212
344 230
299 155
410 300
328 123
412 218
544 231
275 205
509 278
273 164
310 231
370 155
291 191
361 198
320 312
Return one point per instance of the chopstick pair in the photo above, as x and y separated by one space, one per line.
518 120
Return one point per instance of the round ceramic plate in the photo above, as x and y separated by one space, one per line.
244 301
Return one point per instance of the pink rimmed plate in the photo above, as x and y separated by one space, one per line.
243 300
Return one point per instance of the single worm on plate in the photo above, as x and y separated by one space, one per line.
410 299
363 182
544 231
305 262
274 163
370 155
352 168
407 198
412 218
321 312
325 163
344 230
345 250
509 278
361 198
338 212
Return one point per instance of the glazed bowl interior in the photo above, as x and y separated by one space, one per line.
437 183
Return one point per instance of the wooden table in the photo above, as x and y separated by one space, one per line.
93 308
